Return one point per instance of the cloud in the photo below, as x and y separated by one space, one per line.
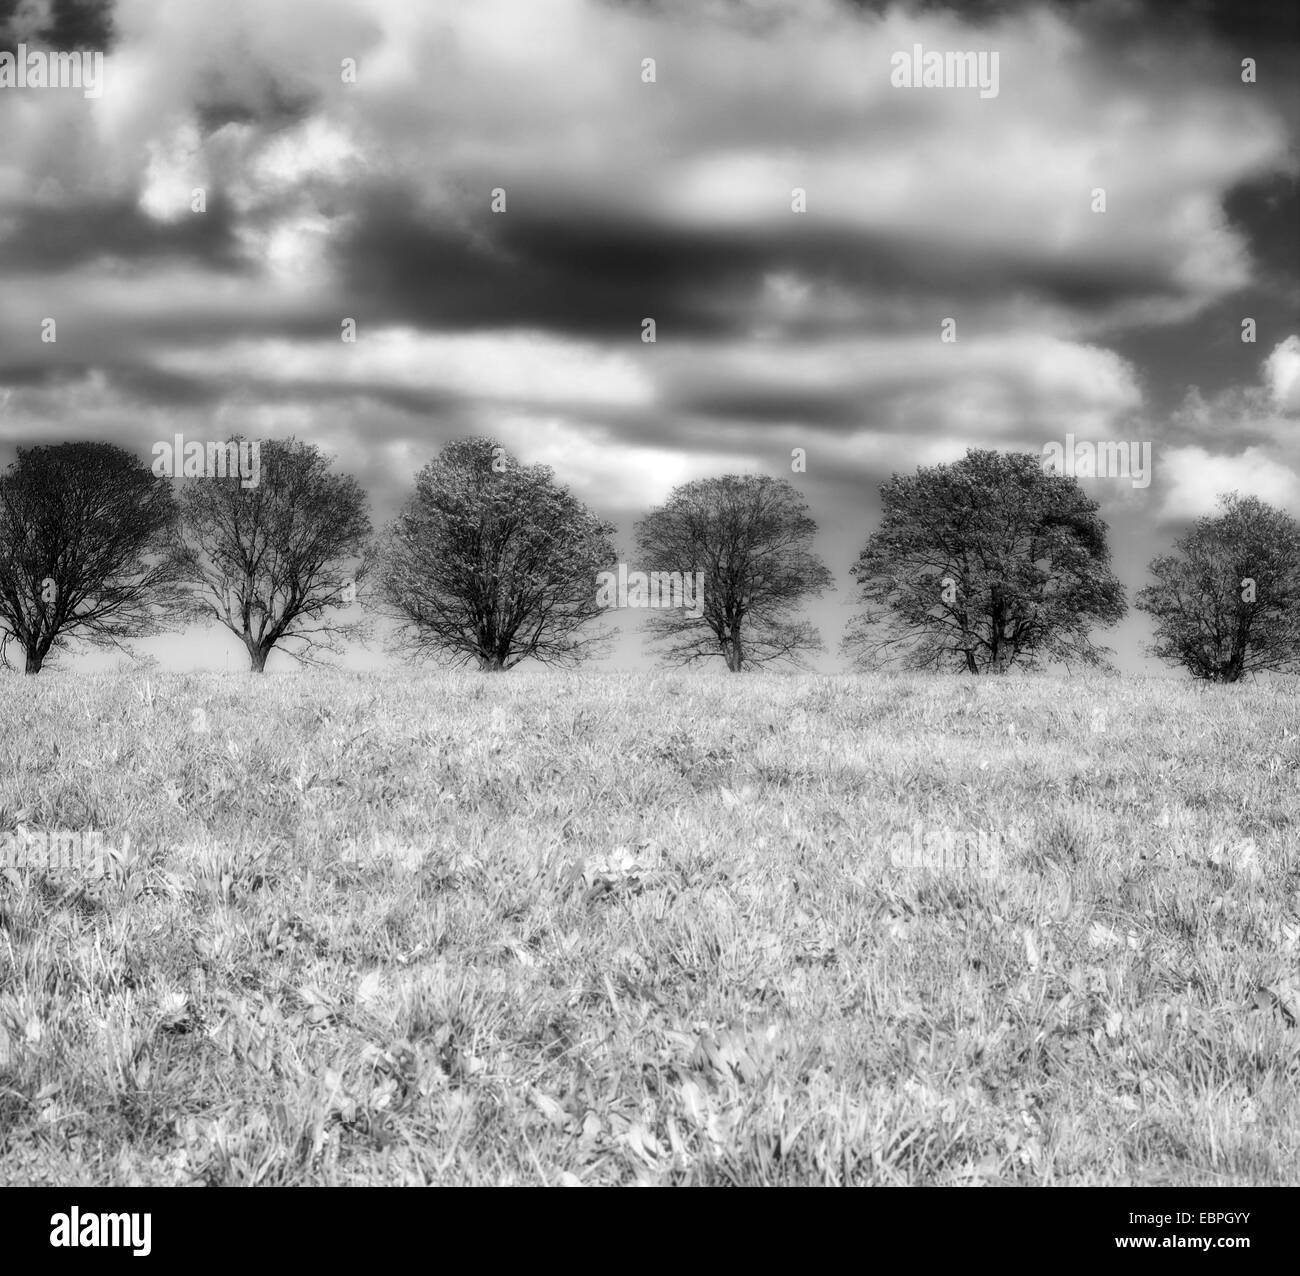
1261 415
1193 479
671 199
1282 369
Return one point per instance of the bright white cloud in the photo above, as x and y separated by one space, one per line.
1282 372
1192 479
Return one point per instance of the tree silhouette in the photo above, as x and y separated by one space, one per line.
493 562
1227 602
751 537
87 550
981 565
271 562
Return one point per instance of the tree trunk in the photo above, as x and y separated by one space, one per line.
493 663
1236 664
735 656
34 661
257 658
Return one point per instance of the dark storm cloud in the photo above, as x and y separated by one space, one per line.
130 383
61 24
261 99
25 373
737 403
1263 25
1241 21
580 271
65 238
162 388
573 271
1268 211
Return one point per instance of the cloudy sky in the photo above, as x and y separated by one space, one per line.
665 193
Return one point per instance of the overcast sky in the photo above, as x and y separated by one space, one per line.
670 199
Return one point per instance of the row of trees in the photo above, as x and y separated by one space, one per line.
94 546
982 565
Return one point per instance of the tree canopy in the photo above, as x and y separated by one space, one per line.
87 550
276 562
1226 602
981 565
493 562
751 537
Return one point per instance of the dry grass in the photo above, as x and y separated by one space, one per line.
525 929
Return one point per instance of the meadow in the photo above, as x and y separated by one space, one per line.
630 928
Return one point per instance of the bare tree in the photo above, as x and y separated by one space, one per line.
491 561
1227 602
751 537
87 550
982 565
273 562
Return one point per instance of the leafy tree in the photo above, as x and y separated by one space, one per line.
751 537
272 561
87 549
981 565
493 562
1227 602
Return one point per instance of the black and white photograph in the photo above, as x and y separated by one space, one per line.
677 593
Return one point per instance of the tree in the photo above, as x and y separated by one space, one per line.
1227 602
87 549
271 561
491 561
981 565
751 537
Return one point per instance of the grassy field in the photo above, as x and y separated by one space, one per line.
646 928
